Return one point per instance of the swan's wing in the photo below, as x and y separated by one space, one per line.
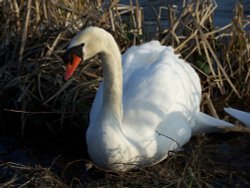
157 80
157 86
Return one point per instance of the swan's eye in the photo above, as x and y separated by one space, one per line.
67 58
77 50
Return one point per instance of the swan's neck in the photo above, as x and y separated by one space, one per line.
112 73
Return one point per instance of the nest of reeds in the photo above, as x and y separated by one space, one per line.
36 33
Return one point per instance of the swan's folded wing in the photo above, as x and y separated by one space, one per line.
165 85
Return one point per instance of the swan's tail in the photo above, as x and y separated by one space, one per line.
243 117
208 124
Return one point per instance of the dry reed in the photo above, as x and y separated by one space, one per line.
33 39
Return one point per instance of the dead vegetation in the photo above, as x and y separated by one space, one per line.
33 92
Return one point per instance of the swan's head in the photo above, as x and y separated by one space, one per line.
83 46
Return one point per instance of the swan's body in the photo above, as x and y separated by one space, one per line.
243 117
145 107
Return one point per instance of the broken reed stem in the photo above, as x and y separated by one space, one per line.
37 10
184 43
133 19
24 33
112 19
211 106
239 129
51 49
17 15
211 65
45 13
223 70
139 19
206 45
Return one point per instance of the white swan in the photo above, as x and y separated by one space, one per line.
145 107
243 117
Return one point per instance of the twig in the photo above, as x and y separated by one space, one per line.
160 134
25 31
239 129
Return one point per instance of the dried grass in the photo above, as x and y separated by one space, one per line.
33 39
32 67
214 51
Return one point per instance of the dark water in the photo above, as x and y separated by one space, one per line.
223 14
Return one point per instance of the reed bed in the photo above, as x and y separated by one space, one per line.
219 54
34 94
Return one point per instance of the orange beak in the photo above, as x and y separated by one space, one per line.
71 66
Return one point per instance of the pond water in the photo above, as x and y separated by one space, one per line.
223 14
